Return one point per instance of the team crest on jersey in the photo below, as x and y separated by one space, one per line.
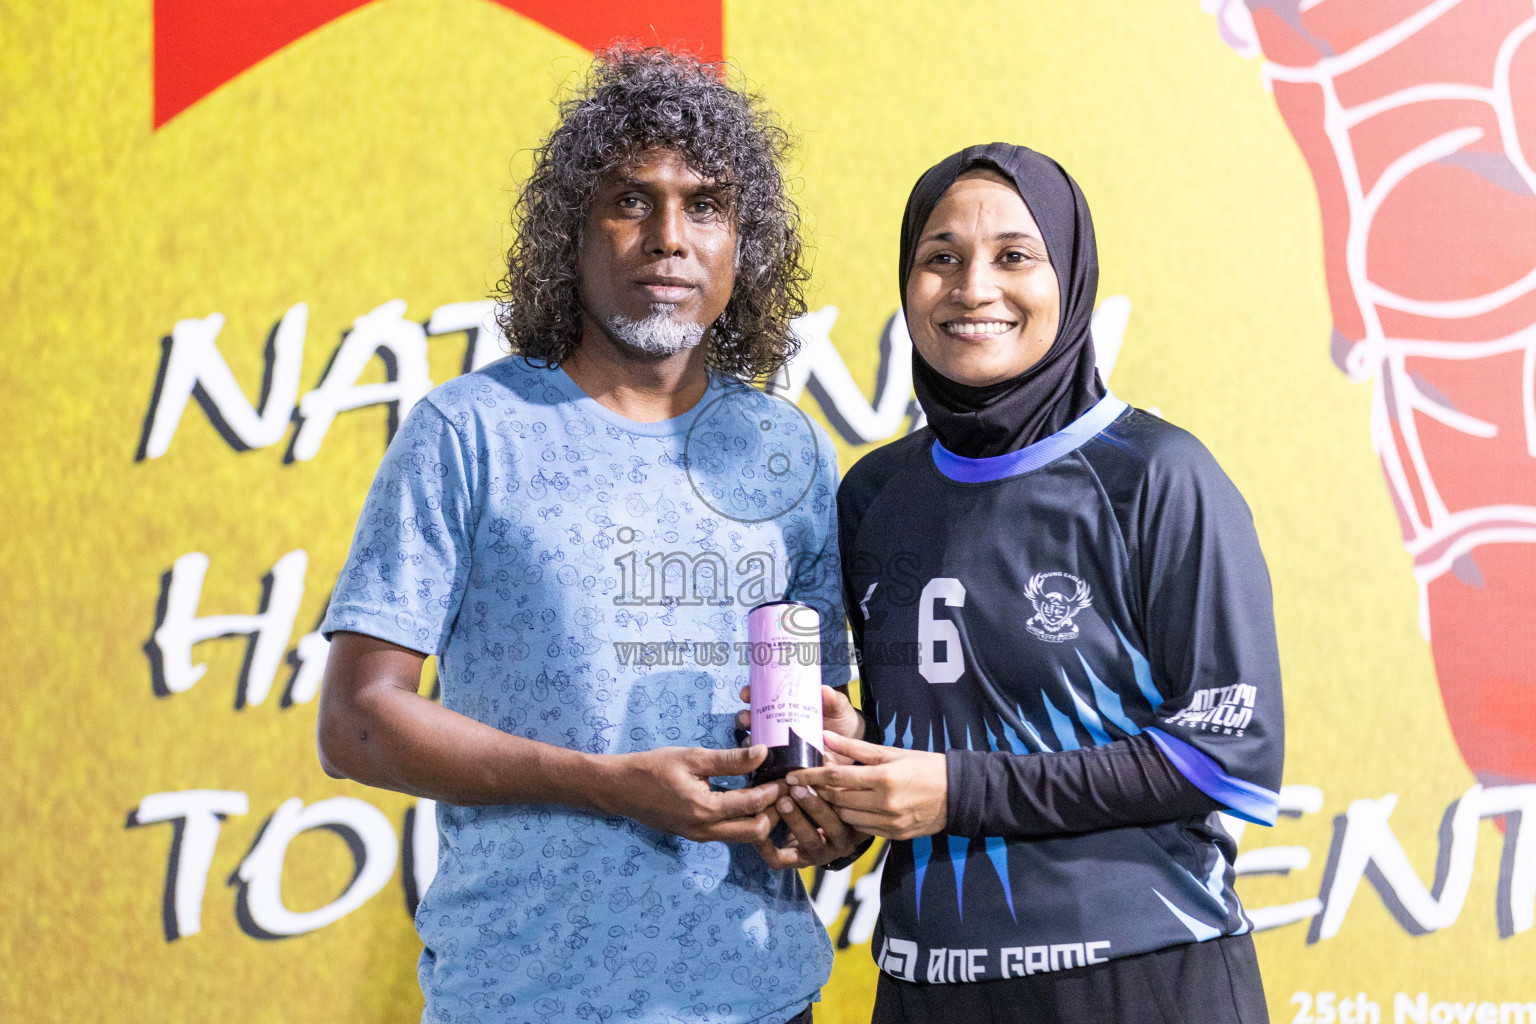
1058 597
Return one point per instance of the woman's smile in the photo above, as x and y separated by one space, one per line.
981 328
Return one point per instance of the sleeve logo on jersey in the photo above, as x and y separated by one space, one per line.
1057 597
1224 709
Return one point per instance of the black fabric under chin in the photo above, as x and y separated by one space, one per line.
979 422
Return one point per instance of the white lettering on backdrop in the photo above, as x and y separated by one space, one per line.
1364 848
196 815
194 367
180 628
367 832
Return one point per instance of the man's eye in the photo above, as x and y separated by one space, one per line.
706 206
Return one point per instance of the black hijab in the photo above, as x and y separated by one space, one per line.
979 422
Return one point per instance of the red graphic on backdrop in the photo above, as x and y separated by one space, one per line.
200 45
1413 117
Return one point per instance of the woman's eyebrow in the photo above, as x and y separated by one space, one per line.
1001 236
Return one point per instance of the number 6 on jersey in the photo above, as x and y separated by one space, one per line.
931 632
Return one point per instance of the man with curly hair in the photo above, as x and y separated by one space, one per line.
576 532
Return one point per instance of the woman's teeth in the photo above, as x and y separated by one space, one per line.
978 326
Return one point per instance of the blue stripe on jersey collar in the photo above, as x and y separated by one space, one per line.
1031 457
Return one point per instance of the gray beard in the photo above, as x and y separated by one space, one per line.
660 334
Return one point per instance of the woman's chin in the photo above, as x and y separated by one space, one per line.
977 362
980 376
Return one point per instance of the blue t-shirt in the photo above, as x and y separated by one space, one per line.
584 582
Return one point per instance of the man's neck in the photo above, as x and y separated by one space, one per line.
636 385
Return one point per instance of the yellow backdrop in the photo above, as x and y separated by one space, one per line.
370 162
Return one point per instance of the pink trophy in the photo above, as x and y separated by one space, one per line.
785 676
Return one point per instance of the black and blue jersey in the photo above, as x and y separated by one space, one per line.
1103 584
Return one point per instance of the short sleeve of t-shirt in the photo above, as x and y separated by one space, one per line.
406 573
1211 635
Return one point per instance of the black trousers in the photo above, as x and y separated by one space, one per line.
1214 982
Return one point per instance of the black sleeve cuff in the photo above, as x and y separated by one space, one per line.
843 862
967 772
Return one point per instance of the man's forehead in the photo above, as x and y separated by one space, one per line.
659 165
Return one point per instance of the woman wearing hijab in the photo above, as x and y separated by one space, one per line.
1068 649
